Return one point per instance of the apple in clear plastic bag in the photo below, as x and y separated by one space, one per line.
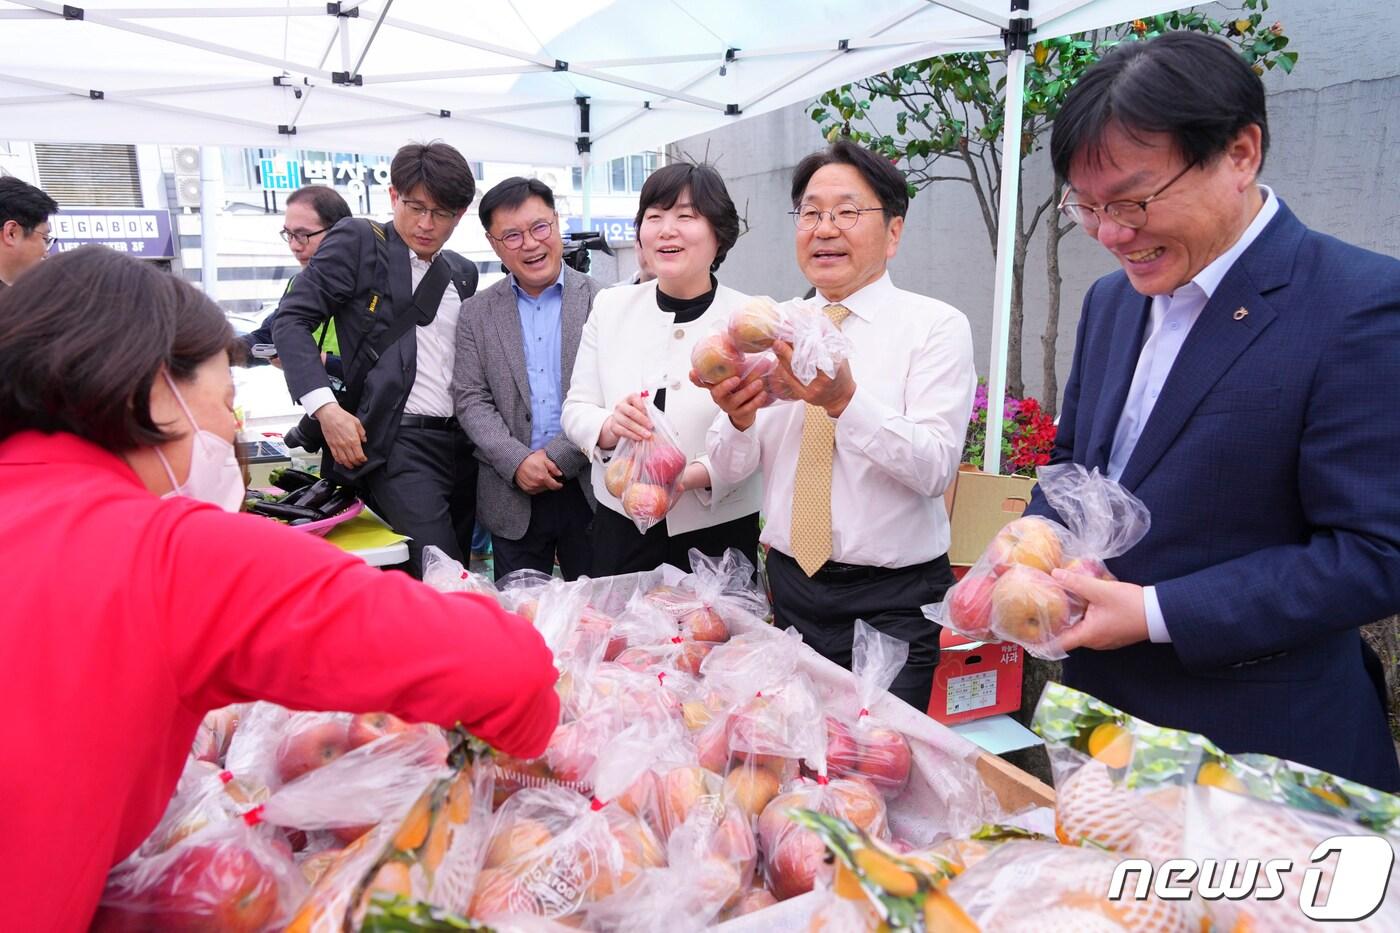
615 476
663 464
1028 606
715 359
316 744
1031 542
970 605
646 502
754 327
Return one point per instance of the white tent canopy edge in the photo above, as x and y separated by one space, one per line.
560 81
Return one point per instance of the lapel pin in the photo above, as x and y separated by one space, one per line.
1241 313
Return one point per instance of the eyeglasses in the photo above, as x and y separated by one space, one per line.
539 232
843 216
49 240
1130 214
418 210
301 237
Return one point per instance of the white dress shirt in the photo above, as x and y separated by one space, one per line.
437 350
898 443
1171 321
630 344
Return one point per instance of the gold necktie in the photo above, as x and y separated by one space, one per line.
811 494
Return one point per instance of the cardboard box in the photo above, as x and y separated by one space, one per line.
982 504
975 679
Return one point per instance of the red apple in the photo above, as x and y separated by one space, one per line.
616 475
754 326
712 745
646 502
970 605
636 659
705 624
855 800
521 837
366 727
754 899
309 748
715 359
663 464
842 749
216 887
885 760
792 866
692 655
1028 607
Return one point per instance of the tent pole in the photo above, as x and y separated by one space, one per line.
1007 223
211 197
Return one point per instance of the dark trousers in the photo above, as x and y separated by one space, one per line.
427 490
825 606
619 548
560 525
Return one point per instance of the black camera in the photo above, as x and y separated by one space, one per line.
577 246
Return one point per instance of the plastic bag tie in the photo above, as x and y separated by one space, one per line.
254 816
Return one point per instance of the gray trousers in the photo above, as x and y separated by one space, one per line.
427 491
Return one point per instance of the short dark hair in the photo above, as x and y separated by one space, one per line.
1196 89
437 167
879 173
324 200
23 203
664 187
84 335
513 192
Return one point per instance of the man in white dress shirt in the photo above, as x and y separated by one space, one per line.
854 473
395 295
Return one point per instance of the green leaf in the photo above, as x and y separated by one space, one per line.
1287 60
819 114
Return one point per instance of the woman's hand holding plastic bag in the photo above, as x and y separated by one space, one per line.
645 472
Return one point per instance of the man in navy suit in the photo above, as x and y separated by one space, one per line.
1240 375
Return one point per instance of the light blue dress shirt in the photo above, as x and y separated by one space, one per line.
541 327
1172 318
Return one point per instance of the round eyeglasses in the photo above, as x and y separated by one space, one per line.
843 216
539 232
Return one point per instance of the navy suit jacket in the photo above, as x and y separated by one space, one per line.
1271 466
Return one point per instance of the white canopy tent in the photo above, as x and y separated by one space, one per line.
560 81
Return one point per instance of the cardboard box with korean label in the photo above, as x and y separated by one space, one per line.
975 679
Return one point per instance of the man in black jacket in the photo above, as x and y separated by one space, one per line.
394 294
24 228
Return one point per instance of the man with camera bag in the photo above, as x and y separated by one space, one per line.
394 294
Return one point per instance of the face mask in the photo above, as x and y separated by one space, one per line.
215 475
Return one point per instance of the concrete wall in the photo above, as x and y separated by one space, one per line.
1335 160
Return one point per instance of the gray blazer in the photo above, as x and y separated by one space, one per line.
491 396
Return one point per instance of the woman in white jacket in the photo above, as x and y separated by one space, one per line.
638 338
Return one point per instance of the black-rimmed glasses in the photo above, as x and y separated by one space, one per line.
302 237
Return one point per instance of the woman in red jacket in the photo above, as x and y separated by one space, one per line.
129 607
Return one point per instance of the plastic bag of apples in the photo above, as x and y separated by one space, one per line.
646 475
744 346
227 876
860 745
1010 595
431 853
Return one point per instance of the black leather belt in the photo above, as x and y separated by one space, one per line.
835 571
431 422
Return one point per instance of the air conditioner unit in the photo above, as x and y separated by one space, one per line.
186 191
186 160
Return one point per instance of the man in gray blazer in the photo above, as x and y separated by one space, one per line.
516 344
